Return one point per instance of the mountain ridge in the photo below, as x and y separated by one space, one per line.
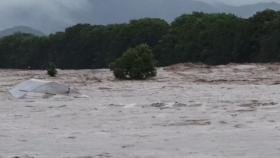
20 29
120 11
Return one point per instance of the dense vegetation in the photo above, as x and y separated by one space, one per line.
135 63
199 37
51 70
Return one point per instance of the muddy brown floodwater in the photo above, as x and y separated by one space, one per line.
193 111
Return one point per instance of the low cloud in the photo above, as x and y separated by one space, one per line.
54 15
46 15
238 2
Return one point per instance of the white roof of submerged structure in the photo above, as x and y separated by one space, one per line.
39 86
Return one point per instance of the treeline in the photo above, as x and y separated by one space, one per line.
198 37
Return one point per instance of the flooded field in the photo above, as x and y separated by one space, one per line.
192 111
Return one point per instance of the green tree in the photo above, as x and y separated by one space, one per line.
265 39
51 70
200 37
136 32
136 63
17 49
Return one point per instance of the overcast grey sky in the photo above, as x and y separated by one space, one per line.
239 2
36 12
80 3
53 15
75 4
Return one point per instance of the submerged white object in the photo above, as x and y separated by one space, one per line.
39 86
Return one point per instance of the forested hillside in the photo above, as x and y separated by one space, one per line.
216 38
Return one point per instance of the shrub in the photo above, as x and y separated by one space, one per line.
136 63
51 70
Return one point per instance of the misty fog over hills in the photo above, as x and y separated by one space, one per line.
55 15
24 29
